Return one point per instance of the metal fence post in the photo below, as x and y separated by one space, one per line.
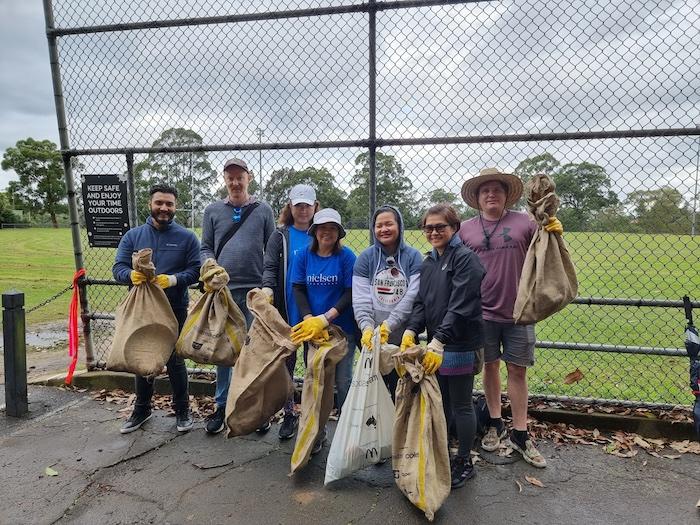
14 338
131 191
70 182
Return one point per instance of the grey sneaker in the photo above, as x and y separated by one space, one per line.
289 426
184 421
492 439
134 422
529 453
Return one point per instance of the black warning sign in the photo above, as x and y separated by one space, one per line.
106 210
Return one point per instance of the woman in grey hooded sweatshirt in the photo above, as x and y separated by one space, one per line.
385 283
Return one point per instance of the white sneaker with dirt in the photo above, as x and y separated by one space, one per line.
530 453
492 439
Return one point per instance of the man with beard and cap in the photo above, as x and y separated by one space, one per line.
176 257
501 237
385 283
240 252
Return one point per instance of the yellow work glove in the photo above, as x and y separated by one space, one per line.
408 340
433 357
269 294
137 277
367 336
165 281
554 226
384 333
309 329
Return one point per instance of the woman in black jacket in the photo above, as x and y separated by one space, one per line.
289 238
448 307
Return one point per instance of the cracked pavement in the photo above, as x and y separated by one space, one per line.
156 475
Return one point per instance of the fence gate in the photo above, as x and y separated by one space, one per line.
400 101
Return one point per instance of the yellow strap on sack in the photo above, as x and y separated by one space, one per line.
421 504
316 373
191 321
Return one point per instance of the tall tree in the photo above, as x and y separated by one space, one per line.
663 210
40 169
190 173
439 195
584 189
540 164
393 187
327 191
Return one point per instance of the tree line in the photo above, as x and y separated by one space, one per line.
588 202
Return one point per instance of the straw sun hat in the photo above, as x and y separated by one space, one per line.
470 188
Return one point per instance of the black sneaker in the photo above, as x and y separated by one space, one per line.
462 470
318 445
135 421
216 423
288 428
263 429
184 421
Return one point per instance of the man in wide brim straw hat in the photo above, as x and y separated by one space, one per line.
501 237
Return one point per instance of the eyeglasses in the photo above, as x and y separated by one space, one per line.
438 228
236 214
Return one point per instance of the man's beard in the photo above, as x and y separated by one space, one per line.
156 214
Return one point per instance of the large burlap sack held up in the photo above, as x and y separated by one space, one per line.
420 460
548 279
215 328
260 383
317 393
364 432
146 327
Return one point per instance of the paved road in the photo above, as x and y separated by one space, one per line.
155 475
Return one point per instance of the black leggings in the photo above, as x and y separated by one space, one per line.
459 411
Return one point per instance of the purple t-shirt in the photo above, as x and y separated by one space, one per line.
503 261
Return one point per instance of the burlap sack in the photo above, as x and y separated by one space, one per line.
317 393
146 327
260 383
215 328
420 460
548 279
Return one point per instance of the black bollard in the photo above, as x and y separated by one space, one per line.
15 341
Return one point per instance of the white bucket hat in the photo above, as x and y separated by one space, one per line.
325 216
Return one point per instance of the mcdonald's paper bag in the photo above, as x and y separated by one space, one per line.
317 393
548 278
420 460
260 384
215 328
146 327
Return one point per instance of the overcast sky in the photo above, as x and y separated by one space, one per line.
487 68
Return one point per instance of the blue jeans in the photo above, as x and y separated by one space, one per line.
343 371
223 373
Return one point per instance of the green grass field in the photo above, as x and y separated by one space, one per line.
40 263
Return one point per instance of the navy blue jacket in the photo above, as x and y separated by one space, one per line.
175 252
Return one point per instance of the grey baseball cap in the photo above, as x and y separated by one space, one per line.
236 162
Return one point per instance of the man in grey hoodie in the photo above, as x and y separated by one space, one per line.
385 282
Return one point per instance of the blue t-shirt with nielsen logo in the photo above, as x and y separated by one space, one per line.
298 240
326 279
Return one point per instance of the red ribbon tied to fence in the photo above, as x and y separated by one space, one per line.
73 326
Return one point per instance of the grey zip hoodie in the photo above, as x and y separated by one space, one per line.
384 285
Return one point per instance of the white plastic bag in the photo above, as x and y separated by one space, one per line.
364 432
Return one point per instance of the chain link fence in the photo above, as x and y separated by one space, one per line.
400 102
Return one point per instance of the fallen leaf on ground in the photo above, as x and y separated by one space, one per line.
520 486
534 481
573 377
50 472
